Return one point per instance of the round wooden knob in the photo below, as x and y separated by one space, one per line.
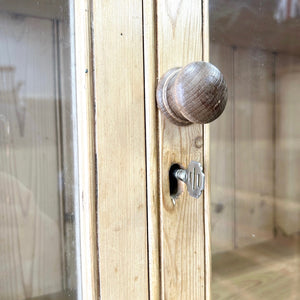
196 93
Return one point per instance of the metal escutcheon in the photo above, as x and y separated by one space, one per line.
193 177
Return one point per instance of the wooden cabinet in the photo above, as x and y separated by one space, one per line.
250 161
147 246
85 150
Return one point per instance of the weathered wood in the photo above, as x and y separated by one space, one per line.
179 41
67 156
120 149
222 158
287 173
206 166
265 271
151 118
86 197
254 145
207 197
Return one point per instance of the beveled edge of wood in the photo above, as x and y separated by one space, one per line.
206 163
152 149
83 60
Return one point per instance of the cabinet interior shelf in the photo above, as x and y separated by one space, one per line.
269 270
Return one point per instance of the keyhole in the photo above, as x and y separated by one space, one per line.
175 185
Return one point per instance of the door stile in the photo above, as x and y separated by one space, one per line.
152 150
86 233
206 163
120 149
182 28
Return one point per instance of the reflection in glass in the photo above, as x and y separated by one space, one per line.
37 170
255 150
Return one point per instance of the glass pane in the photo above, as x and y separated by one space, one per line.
255 150
38 220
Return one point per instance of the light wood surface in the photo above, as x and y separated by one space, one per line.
179 41
151 121
269 270
254 145
206 166
85 196
222 158
120 146
287 172
207 204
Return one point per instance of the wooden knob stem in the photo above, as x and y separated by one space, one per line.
196 93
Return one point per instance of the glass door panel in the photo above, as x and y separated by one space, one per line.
255 150
38 245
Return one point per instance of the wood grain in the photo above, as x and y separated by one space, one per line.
222 158
179 41
287 173
67 143
206 166
151 121
120 149
86 196
269 270
195 93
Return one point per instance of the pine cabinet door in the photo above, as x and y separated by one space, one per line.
148 246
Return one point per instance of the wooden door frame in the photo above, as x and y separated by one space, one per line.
85 85
84 126
87 199
153 121
84 60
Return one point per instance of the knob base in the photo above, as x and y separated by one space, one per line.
162 91
196 93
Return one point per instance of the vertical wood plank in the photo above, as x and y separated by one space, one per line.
87 270
254 145
287 173
222 158
120 146
179 41
206 167
207 212
150 73
66 108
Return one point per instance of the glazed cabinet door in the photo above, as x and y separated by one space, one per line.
183 235
151 245
46 158
89 202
